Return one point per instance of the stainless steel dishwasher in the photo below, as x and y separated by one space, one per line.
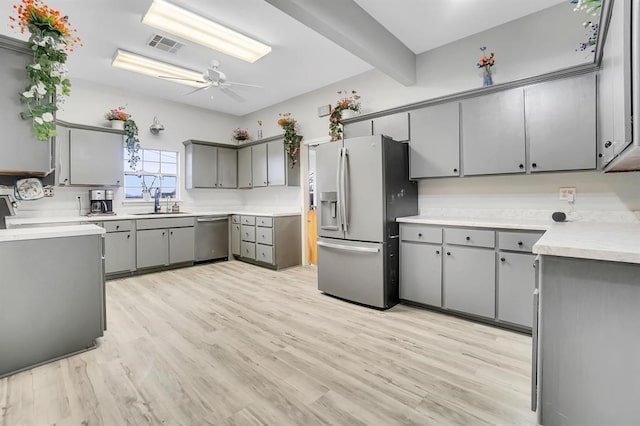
212 238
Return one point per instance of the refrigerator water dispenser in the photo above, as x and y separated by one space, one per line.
329 211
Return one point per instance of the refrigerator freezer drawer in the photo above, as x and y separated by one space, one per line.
352 270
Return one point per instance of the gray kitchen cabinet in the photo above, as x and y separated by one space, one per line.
469 280
164 241
245 178
560 117
493 139
181 245
588 346
516 282
96 157
209 166
151 247
235 239
271 242
614 84
276 163
227 168
20 152
259 165
395 126
434 149
120 247
201 166
421 273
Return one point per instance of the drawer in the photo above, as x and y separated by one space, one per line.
177 222
248 233
264 221
235 218
248 220
421 233
264 253
118 225
518 241
248 250
470 237
264 236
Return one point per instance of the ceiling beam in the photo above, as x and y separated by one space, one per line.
348 25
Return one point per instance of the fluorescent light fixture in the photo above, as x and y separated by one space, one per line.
147 66
190 26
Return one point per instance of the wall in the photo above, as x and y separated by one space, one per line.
87 105
533 45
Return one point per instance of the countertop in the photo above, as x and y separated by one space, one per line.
22 234
479 222
16 221
615 242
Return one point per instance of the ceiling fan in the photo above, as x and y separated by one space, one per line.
213 77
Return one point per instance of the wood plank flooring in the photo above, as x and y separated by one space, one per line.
233 344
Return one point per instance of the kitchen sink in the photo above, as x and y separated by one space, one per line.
158 213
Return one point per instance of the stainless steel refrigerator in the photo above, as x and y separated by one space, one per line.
363 186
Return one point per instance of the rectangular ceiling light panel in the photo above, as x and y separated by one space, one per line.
147 66
190 26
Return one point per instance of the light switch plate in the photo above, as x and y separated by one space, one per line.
568 194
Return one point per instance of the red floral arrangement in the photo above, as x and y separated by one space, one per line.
35 15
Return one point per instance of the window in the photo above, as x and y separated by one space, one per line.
156 169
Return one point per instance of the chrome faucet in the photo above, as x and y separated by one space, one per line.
156 201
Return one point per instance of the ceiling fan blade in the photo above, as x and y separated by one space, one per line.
197 90
233 83
184 79
233 95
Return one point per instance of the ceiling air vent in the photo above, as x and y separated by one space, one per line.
164 43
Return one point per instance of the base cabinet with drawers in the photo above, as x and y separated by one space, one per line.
273 242
119 246
484 273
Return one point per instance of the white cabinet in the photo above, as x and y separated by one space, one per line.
434 149
493 139
209 166
560 118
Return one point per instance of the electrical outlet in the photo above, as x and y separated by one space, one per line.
568 194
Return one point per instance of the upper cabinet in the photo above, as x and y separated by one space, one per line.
493 133
396 126
259 165
561 124
20 152
90 155
245 179
209 166
434 150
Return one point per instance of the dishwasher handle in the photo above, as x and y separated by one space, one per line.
211 219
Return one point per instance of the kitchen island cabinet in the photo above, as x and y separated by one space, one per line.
52 301
273 242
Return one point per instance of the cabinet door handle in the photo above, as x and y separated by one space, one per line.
468 238
448 253
171 232
117 227
608 144
502 259
265 182
163 233
521 166
534 165
455 170
520 243
420 235
437 251
128 236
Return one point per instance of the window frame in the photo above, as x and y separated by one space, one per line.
141 172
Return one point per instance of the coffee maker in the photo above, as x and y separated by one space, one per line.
101 202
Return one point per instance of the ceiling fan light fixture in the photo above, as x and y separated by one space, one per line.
180 22
147 66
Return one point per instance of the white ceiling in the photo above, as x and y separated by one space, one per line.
301 59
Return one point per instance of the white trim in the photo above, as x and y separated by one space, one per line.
317 141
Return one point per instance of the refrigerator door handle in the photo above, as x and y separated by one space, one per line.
348 248
345 190
339 190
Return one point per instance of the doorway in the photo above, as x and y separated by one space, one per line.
311 207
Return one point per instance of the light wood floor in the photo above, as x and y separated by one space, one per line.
234 344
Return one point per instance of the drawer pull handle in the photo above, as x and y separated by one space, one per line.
437 251
420 235
117 226
502 259
520 243
468 238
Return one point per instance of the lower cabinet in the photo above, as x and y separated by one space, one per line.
469 281
516 282
459 273
421 273
120 252
161 242
274 242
